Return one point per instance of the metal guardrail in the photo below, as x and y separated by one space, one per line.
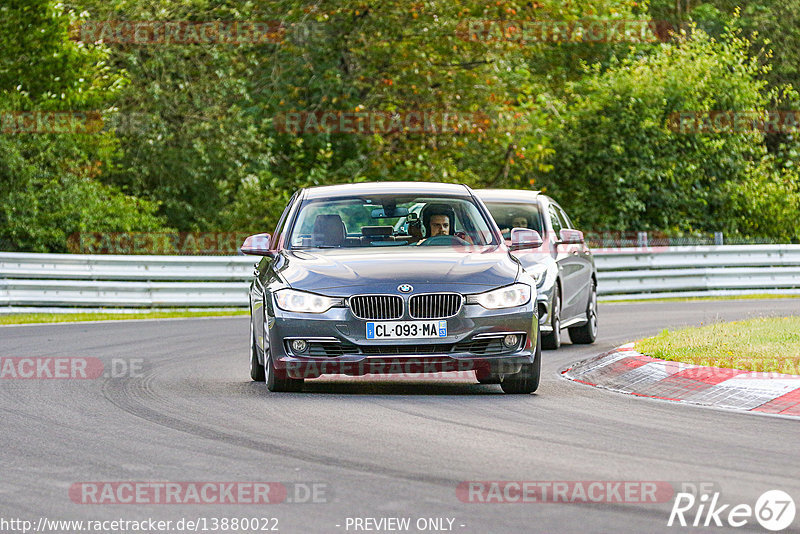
124 281
37 280
697 271
122 267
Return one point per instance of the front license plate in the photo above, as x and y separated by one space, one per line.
407 330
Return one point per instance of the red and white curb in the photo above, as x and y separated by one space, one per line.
626 371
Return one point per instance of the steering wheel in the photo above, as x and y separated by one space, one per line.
443 240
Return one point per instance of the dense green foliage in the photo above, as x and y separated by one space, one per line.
48 183
617 151
193 139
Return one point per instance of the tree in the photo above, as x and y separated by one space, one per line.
49 182
618 164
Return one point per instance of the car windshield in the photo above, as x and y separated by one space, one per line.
510 215
389 221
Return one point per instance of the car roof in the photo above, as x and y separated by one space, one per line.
508 195
399 188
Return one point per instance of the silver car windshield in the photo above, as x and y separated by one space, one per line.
389 221
510 215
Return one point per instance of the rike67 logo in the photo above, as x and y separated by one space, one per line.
774 510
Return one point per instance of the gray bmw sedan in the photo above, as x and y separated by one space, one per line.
385 278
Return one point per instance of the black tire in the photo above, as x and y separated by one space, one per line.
587 333
278 380
527 379
256 368
552 340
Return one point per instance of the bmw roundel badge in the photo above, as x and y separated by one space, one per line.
405 288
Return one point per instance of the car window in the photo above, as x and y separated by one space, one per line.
279 228
381 221
562 215
555 220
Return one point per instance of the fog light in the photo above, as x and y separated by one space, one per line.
511 340
299 345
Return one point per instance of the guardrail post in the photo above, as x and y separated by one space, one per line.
641 239
717 238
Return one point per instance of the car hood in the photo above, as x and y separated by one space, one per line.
383 270
530 258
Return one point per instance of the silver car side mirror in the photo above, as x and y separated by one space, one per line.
522 238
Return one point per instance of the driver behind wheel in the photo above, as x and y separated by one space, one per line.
439 225
517 221
438 220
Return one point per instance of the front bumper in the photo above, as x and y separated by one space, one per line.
338 344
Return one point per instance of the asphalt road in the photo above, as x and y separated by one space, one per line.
381 448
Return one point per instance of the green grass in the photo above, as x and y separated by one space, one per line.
759 296
762 344
27 318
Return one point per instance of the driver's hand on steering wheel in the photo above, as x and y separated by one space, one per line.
464 236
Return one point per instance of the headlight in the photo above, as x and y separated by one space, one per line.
538 273
505 297
300 301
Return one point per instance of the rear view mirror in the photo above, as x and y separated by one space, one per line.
571 237
387 212
256 245
524 238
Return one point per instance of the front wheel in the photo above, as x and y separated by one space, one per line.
587 333
527 379
277 379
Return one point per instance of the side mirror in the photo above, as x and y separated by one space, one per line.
257 245
571 237
525 238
